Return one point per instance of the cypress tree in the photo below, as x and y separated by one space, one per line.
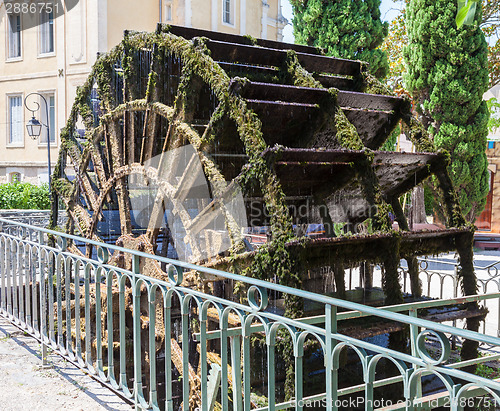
349 29
447 76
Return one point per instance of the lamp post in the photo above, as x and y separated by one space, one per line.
34 127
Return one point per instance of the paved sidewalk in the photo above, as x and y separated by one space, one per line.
25 386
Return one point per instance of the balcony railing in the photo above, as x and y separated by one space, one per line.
163 343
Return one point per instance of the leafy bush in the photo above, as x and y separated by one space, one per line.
494 108
24 196
392 141
430 200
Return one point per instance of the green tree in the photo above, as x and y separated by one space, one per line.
393 43
490 25
393 46
447 74
343 28
491 28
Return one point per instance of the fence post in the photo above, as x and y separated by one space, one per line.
414 331
8 272
455 295
45 354
246 365
3 273
236 370
136 309
331 373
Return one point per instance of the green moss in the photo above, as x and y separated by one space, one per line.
417 133
346 133
468 283
296 74
153 78
216 122
390 280
448 191
373 193
63 187
252 41
373 85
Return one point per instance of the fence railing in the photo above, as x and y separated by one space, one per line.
39 218
440 280
192 339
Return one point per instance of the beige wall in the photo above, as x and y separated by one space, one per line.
254 25
94 26
200 18
130 15
32 72
125 15
247 15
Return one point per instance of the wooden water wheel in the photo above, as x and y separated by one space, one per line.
197 119
251 156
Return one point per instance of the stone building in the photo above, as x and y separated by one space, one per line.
489 220
52 53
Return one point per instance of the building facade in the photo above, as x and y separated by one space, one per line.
489 219
51 53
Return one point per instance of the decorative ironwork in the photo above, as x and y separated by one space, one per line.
76 306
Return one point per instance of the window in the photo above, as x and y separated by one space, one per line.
227 12
51 103
491 145
14 36
14 177
168 12
46 33
16 120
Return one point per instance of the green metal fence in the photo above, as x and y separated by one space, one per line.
162 344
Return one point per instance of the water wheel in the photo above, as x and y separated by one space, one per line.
206 145
251 156
140 145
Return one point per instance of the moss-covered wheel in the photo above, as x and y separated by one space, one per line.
250 156
287 128
141 142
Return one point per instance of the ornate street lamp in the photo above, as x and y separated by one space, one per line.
34 127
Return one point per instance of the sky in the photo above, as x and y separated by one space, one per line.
388 8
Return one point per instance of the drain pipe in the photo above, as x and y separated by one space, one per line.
160 14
